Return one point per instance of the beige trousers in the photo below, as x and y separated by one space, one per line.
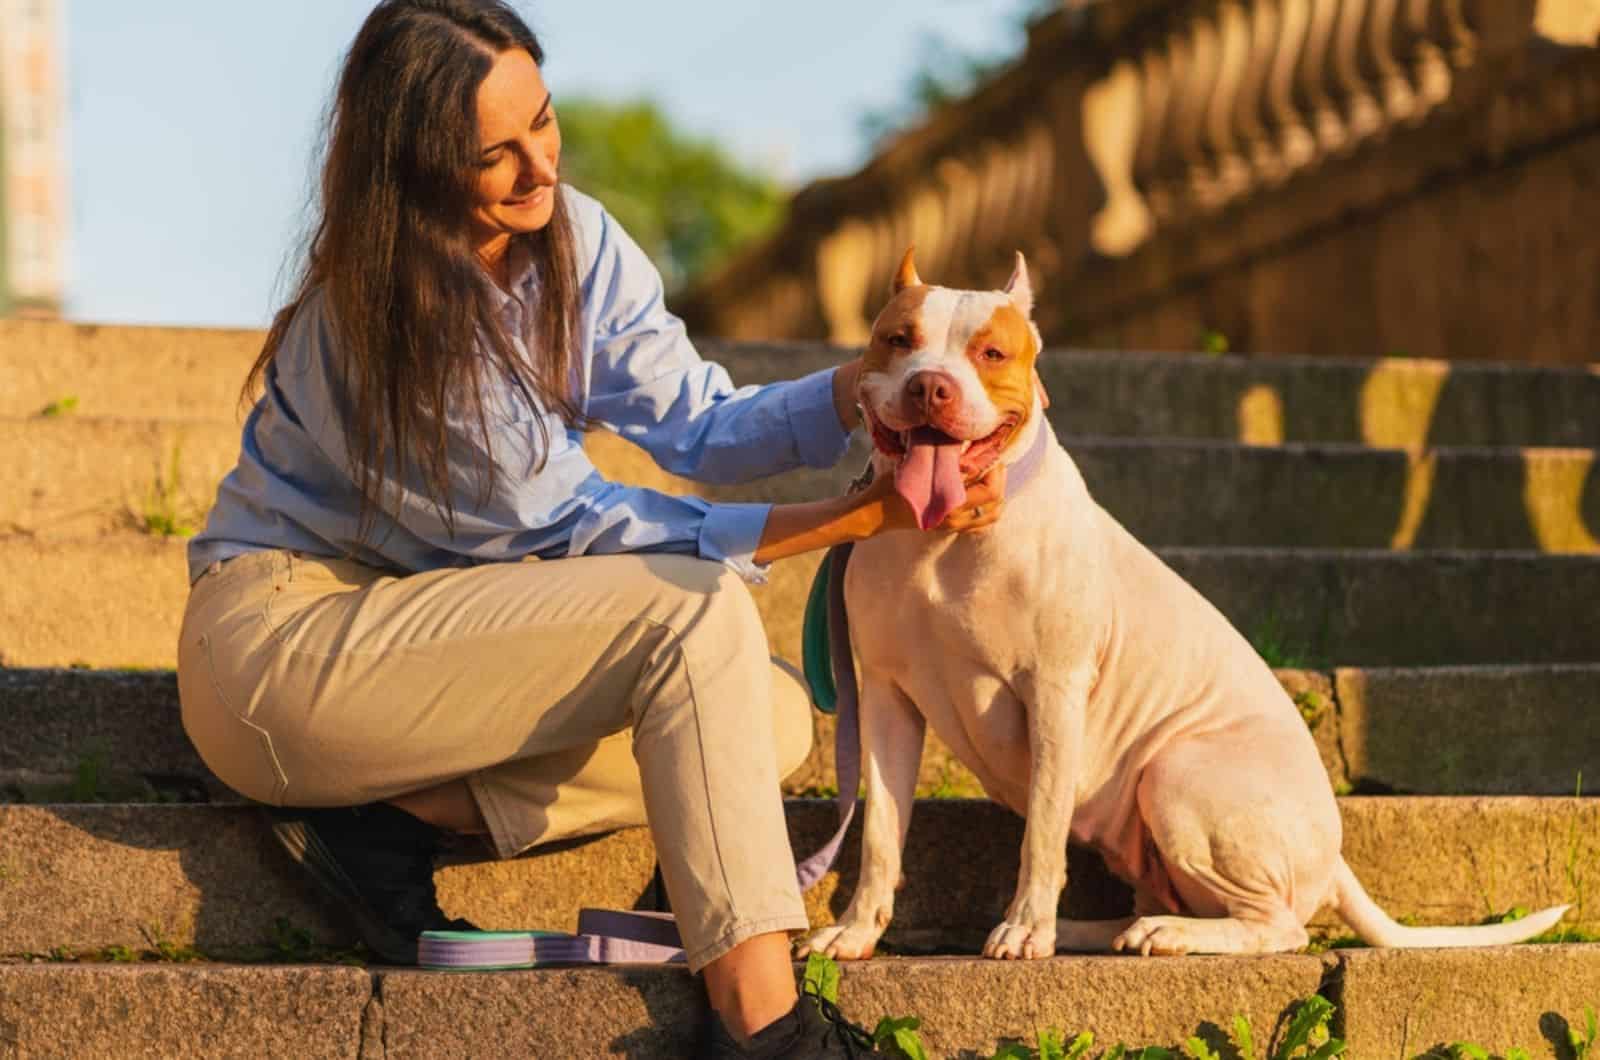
574 696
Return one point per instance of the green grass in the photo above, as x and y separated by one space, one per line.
60 407
1280 650
165 510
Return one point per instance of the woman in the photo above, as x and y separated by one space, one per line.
362 641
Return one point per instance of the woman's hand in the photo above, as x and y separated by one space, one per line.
795 528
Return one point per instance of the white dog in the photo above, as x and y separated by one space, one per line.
1088 687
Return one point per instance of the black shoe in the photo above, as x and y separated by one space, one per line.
814 1029
377 862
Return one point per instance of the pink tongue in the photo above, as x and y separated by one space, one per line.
929 477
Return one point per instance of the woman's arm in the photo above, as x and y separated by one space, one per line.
647 382
795 528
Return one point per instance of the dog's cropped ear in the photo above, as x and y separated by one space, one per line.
1019 288
907 274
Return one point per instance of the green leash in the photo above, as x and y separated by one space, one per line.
814 652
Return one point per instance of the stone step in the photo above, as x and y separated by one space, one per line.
85 476
1386 402
196 373
117 601
1500 730
1389 1003
85 877
118 370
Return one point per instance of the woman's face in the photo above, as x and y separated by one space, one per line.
519 151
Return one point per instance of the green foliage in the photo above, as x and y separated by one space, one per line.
821 977
165 512
683 199
899 1037
87 777
60 407
1307 1035
1212 341
1583 1046
1244 1038
1273 643
1313 707
948 72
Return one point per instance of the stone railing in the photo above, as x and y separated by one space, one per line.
1217 98
1125 121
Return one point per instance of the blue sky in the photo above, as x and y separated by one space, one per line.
192 122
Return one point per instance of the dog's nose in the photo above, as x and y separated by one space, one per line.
932 390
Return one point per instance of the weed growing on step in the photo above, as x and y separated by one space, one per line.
1313 707
1305 1037
1275 646
1574 866
165 512
1212 341
60 407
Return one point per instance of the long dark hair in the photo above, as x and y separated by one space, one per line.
408 302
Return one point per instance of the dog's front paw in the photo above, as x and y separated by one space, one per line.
1029 939
1162 936
842 942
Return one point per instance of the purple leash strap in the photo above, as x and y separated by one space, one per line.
847 733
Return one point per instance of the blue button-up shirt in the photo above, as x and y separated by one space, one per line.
635 372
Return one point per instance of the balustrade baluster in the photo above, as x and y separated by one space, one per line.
1187 169
1296 146
1363 117
1326 124
1251 104
1430 70
1228 174
1161 75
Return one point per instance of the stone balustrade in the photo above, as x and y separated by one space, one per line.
1214 99
1126 121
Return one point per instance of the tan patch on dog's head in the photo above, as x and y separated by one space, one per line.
1003 351
898 329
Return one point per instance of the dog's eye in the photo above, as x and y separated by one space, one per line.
900 342
994 354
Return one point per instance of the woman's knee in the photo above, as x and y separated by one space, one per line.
713 611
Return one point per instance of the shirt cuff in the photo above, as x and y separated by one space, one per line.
820 438
731 533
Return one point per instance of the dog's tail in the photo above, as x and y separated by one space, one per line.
1376 928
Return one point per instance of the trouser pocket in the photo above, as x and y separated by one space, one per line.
218 652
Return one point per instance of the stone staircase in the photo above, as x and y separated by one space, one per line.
1413 545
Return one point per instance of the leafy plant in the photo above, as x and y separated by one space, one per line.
1313 707
899 1037
1583 1046
165 512
1307 1035
60 407
88 776
687 202
1212 341
821 977
1274 645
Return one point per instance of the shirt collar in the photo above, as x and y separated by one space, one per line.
523 275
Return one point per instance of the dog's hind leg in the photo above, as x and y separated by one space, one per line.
891 750
1249 840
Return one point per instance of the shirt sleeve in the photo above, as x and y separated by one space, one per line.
650 385
558 507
